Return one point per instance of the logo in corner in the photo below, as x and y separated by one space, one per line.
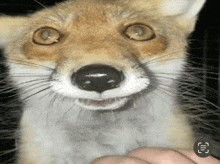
202 147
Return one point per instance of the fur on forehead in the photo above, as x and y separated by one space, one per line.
184 11
69 10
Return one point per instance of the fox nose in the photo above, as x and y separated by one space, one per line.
97 78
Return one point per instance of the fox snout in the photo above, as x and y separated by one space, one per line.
97 77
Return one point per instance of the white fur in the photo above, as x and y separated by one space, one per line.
58 133
186 8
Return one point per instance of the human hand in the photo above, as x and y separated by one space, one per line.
157 156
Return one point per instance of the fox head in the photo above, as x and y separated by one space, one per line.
99 52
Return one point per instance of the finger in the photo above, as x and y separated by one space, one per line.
119 160
162 156
194 157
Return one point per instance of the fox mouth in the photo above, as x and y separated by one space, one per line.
102 104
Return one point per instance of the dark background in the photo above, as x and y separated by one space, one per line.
204 50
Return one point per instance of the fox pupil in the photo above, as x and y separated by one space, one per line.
139 31
45 35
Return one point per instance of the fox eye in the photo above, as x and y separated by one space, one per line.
46 36
140 32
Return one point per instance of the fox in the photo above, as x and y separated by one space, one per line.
99 77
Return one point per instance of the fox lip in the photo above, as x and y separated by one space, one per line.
99 104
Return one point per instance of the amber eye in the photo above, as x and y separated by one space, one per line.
139 32
46 36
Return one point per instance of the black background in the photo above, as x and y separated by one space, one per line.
204 43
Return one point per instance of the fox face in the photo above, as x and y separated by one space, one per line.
101 66
97 52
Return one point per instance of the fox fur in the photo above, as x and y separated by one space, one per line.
145 40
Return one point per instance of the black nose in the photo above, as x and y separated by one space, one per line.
97 78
